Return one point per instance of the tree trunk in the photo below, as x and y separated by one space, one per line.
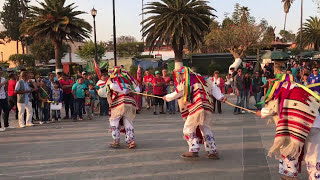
17 47
316 46
285 21
57 47
22 45
178 55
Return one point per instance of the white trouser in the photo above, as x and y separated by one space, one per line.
289 166
22 107
115 128
189 132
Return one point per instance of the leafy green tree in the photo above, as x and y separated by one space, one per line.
58 22
237 36
286 7
311 33
43 50
130 49
87 52
25 60
126 39
287 36
179 23
13 14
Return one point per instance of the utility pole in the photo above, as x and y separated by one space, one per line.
114 35
301 20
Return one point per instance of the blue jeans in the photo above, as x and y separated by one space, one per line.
247 98
172 106
104 106
45 114
240 101
78 107
257 97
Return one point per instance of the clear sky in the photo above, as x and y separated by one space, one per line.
128 13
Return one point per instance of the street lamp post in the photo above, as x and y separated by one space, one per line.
94 13
114 35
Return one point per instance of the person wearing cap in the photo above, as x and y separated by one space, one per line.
85 78
158 90
195 101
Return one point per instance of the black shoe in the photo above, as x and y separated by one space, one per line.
67 117
162 113
154 113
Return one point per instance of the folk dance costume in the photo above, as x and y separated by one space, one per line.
294 109
196 110
122 105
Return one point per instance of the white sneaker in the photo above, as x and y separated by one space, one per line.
41 122
231 94
30 124
243 112
53 120
10 127
22 126
59 119
2 129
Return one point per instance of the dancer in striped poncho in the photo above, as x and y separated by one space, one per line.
196 106
122 105
294 109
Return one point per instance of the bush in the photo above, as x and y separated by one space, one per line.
22 60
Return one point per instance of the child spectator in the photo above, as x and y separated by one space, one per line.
56 97
93 94
88 103
43 94
78 93
171 104
305 80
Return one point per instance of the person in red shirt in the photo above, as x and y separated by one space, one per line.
66 85
12 97
167 80
158 84
147 82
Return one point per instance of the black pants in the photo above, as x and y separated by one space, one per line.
215 101
104 106
79 105
4 108
68 104
36 108
12 101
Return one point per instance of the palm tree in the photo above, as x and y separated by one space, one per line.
57 22
179 23
244 15
311 33
286 7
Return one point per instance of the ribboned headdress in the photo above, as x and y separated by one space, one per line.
122 78
190 78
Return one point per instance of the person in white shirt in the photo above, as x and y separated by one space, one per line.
101 88
3 102
218 81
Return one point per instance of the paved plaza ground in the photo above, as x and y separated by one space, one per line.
79 150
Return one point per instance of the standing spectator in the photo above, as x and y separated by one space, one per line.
295 78
229 84
34 96
66 85
239 85
93 94
3 101
304 80
172 104
59 76
78 94
218 81
44 96
51 81
257 89
102 91
90 79
23 92
295 70
166 79
158 83
85 78
314 78
268 67
12 97
88 104
56 96
247 89
147 80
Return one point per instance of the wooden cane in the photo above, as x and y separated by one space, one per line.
147 94
227 102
